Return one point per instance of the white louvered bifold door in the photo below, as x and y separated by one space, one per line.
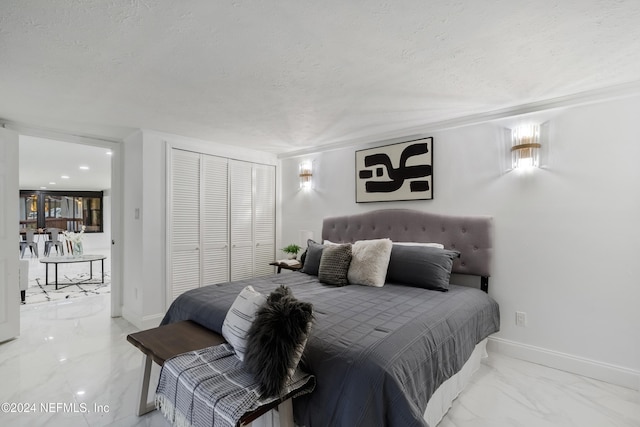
264 205
215 220
184 222
241 210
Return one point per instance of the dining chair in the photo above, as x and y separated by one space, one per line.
54 240
28 242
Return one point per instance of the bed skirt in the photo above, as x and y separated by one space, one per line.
444 396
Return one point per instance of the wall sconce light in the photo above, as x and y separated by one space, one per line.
306 174
525 147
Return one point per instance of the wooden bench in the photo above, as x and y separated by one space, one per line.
161 343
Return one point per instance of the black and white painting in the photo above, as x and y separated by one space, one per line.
395 172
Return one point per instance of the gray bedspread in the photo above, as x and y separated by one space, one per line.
378 354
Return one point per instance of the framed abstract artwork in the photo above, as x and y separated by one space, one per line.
395 172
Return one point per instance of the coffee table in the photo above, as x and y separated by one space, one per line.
55 260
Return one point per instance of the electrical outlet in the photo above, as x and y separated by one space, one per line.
521 318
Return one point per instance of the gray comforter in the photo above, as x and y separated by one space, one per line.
378 354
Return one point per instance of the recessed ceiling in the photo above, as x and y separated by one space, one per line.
46 161
288 75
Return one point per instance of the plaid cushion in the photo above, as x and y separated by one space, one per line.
334 264
211 387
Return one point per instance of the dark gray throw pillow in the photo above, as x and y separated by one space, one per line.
334 264
421 266
312 260
276 340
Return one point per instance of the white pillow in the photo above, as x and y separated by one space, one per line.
329 242
240 317
369 262
431 245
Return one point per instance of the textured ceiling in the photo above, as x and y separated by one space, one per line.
288 75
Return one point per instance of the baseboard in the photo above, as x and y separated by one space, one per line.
152 321
613 374
134 318
142 322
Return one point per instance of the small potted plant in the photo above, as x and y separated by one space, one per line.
292 250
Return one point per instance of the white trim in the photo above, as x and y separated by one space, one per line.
134 318
278 219
582 98
116 194
142 322
152 320
9 259
168 199
117 229
214 148
613 374
60 135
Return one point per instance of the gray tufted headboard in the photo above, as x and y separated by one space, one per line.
470 235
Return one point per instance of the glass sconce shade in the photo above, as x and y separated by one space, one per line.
525 147
305 175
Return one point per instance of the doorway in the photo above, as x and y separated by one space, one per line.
69 193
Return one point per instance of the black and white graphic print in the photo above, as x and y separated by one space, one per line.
401 171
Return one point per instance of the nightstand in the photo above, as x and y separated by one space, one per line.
281 265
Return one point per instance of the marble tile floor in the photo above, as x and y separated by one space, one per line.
73 366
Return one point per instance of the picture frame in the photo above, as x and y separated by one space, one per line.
396 172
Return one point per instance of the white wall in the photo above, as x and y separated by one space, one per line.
566 237
144 281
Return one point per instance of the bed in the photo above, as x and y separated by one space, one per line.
394 355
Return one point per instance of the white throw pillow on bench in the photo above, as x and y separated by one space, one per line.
240 317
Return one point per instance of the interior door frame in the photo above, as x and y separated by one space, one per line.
117 200
9 295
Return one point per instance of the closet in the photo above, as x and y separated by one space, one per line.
221 222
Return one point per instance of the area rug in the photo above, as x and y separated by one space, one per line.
69 286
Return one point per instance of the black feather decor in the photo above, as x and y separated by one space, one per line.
276 340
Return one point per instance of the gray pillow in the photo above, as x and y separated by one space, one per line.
312 260
421 266
334 264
